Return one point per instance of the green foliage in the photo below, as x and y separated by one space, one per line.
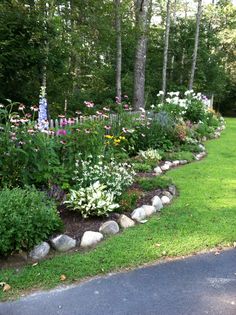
93 200
151 183
27 218
180 155
142 167
128 200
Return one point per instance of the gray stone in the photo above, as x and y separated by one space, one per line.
175 163
165 200
202 147
204 139
63 243
149 210
156 202
109 227
172 190
167 194
168 163
138 214
125 222
182 162
90 238
158 170
40 251
165 167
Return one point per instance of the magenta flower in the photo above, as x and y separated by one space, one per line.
89 104
61 132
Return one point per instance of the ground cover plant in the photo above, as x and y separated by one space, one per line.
202 217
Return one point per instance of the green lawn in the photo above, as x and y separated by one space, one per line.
202 217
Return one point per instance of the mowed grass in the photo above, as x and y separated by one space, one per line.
202 217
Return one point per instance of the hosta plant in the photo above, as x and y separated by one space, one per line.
93 200
150 154
116 176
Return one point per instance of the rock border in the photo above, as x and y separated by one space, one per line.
138 215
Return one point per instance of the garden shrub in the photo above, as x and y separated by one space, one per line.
142 167
128 200
151 183
27 217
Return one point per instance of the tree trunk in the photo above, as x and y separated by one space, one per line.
118 49
173 56
166 47
194 61
143 11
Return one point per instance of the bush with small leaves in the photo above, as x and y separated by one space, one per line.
27 218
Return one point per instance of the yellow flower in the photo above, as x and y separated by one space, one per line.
116 141
122 138
109 137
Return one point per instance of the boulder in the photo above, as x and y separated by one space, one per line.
40 251
157 170
109 227
156 202
182 162
175 163
167 194
149 210
138 214
63 243
90 238
165 200
202 147
165 167
125 222
172 190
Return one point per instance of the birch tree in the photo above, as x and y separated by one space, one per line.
117 4
196 43
143 12
166 47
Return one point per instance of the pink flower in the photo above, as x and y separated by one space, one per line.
89 104
106 109
61 116
34 108
21 107
61 132
126 96
78 112
107 127
62 142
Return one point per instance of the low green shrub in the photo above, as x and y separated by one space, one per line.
180 155
27 217
142 167
128 200
151 183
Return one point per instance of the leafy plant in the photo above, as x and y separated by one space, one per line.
94 200
151 183
128 200
142 167
27 217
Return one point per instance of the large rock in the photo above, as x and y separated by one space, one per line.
165 200
63 243
40 251
175 163
202 147
149 210
156 202
182 162
167 194
125 222
158 170
109 227
172 190
90 238
138 214
165 167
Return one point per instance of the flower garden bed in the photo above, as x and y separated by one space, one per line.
94 164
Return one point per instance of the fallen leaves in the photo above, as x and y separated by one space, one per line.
5 286
62 277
